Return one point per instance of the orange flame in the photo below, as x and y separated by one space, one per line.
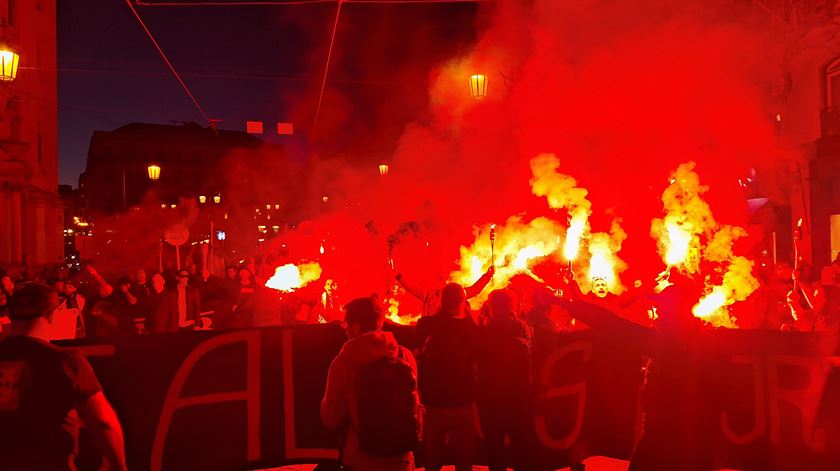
562 192
518 245
290 277
604 262
393 313
687 219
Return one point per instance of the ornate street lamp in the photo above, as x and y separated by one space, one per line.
383 169
217 199
154 172
478 86
8 65
202 199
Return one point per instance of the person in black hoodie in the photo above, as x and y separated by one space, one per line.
505 383
446 365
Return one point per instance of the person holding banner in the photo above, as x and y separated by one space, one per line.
45 391
675 429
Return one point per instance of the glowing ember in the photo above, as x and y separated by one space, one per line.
290 277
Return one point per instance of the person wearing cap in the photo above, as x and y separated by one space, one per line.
47 393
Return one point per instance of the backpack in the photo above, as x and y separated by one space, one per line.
387 408
505 371
446 372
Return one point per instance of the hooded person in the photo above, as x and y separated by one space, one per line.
371 394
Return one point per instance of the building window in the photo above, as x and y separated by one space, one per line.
832 83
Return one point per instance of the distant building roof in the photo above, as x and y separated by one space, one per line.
187 130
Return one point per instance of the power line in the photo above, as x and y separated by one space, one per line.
231 4
294 2
169 64
326 67
282 78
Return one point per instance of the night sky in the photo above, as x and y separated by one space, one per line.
241 63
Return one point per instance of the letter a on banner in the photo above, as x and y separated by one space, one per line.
251 395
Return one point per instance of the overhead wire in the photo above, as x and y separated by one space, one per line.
326 67
168 63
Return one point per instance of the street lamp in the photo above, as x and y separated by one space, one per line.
154 172
8 65
217 199
383 169
478 86
202 199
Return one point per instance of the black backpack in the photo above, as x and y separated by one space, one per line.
446 372
385 392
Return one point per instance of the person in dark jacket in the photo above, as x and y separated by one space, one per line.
179 309
340 406
446 365
505 383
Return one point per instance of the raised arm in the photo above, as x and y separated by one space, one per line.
482 283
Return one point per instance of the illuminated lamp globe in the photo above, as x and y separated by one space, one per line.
202 199
383 169
217 199
478 86
8 65
154 172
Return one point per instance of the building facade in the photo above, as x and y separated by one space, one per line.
31 211
190 158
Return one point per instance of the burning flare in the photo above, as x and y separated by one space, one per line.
681 234
517 246
290 277
562 192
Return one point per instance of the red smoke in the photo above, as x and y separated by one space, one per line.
621 91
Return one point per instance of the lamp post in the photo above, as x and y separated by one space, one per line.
478 86
8 65
383 169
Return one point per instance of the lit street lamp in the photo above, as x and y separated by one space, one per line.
154 172
383 169
8 65
478 86
202 199
217 199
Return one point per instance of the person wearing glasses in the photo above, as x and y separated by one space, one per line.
180 308
47 393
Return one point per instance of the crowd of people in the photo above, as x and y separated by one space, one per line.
466 366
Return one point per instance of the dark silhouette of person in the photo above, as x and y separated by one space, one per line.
449 341
676 423
505 383
340 405
45 392
179 309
